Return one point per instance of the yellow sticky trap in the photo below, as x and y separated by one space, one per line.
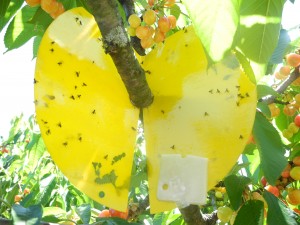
199 112
85 116
89 125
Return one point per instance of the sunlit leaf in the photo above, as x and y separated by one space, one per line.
215 23
36 152
47 184
20 30
53 214
258 32
245 63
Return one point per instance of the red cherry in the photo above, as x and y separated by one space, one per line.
263 181
297 120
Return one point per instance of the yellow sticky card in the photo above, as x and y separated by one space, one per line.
89 125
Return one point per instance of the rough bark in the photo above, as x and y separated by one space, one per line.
193 216
117 45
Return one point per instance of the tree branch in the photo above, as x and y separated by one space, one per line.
283 86
117 45
193 216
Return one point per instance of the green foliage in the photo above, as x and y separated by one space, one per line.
252 212
8 9
270 148
235 186
264 90
278 213
258 33
31 215
217 19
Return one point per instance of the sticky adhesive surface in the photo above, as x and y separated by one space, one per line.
199 111
89 125
83 110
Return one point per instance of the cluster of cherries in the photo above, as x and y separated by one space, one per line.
52 7
153 25
292 101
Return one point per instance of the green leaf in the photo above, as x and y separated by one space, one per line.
260 23
215 23
282 121
41 20
175 11
36 151
280 50
31 215
264 90
270 148
82 3
47 184
235 186
238 166
20 30
246 66
68 4
84 212
53 214
13 7
251 213
3 7
12 191
278 213
36 44
158 218
258 33
264 108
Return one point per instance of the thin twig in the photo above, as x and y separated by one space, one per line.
283 86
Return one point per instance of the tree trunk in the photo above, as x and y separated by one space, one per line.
118 46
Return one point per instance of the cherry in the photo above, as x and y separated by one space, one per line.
134 20
149 17
297 120
272 189
224 214
104 213
295 173
296 160
293 59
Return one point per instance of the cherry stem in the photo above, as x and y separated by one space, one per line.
282 87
